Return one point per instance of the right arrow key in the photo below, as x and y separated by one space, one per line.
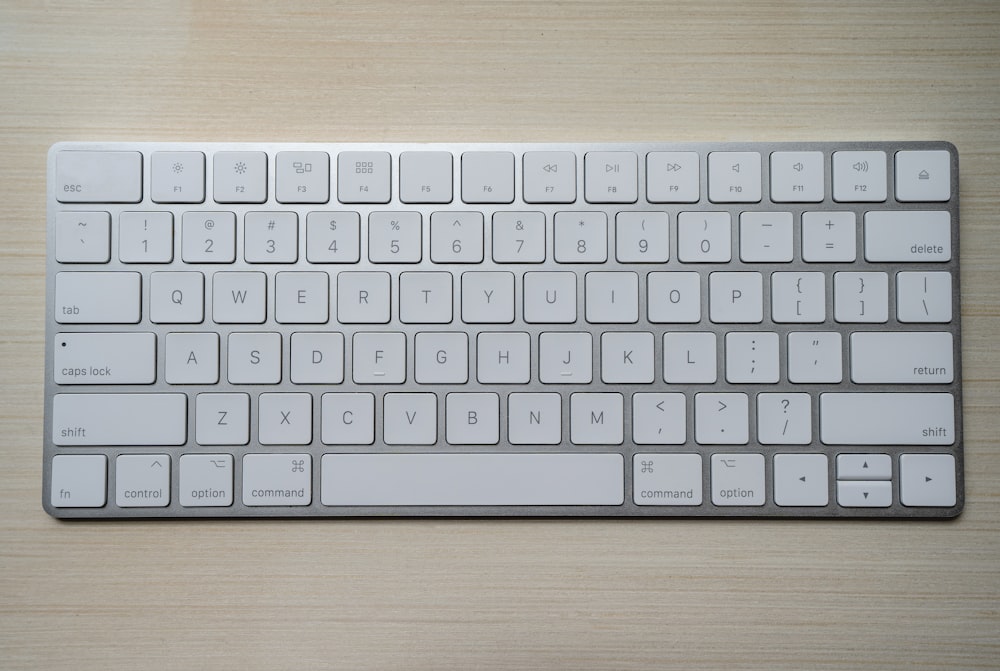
927 480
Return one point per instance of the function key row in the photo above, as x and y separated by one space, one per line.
489 177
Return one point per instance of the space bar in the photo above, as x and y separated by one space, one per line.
473 479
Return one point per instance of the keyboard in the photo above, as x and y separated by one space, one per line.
631 329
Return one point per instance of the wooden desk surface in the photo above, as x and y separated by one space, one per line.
502 594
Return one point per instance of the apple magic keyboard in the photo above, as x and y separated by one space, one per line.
631 329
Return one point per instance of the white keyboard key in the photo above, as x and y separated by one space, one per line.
797 176
206 480
659 419
596 419
208 237
534 419
666 480
425 177
425 298
503 358
487 177
627 358
363 298
908 236
751 357
672 177
610 177
379 358
97 298
333 237
642 237
689 358
472 419
142 480
271 237
815 356
798 297
704 237
104 358
457 237
861 297
348 419
864 467
441 358
851 494
674 297
277 479
923 296
902 357
302 177
784 419
364 176
829 236
801 480
176 298
735 298
254 358
927 480
395 237
721 419
581 237
98 176
563 479
550 297
734 177
239 298
145 237
177 177
923 176
549 176
317 358
738 479
766 237
887 418
565 358
284 419
301 298
518 237
222 419
487 298
239 176
409 419
119 419
859 176
79 481
612 298
83 237
192 358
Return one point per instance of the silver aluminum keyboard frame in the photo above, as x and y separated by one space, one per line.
628 449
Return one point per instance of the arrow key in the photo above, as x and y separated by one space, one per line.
864 467
801 480
927 480
851 494
142 480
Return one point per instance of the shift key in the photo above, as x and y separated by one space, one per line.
119 419
98 298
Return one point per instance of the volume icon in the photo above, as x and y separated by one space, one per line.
861 166
798 167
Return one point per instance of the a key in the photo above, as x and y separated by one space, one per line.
549 176
487 297
797 177
348 419
205 480
798 297
177 177
364 176
425 177
902 357
815 356
146 237
766 237
735 298
104 358
612 297
721 419
379 358
301 298
425 298
534 419
734 177
208 237
864 466
887 418
503 358
704 237
672 177
98 176
317 358
861 297
192 358
176 297
277 479
363 298
119 419
333 237
923 176
97 298
689 357
83 237
923 296
917 236
927 480
627 358
409 419
581 237
302 177
457 237
674 298
596 419
659 419
239 298
222 419
394 237
801 480
784 419
859 176
271 237
738 479
472 419
864 494
487 177
610 177
550 297
829 237
284 419
441 358
79 481
239 176
518 237
751 357
642 237
142 480
565 358
254 358
666 479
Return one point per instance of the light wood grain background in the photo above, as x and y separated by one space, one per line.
499 594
